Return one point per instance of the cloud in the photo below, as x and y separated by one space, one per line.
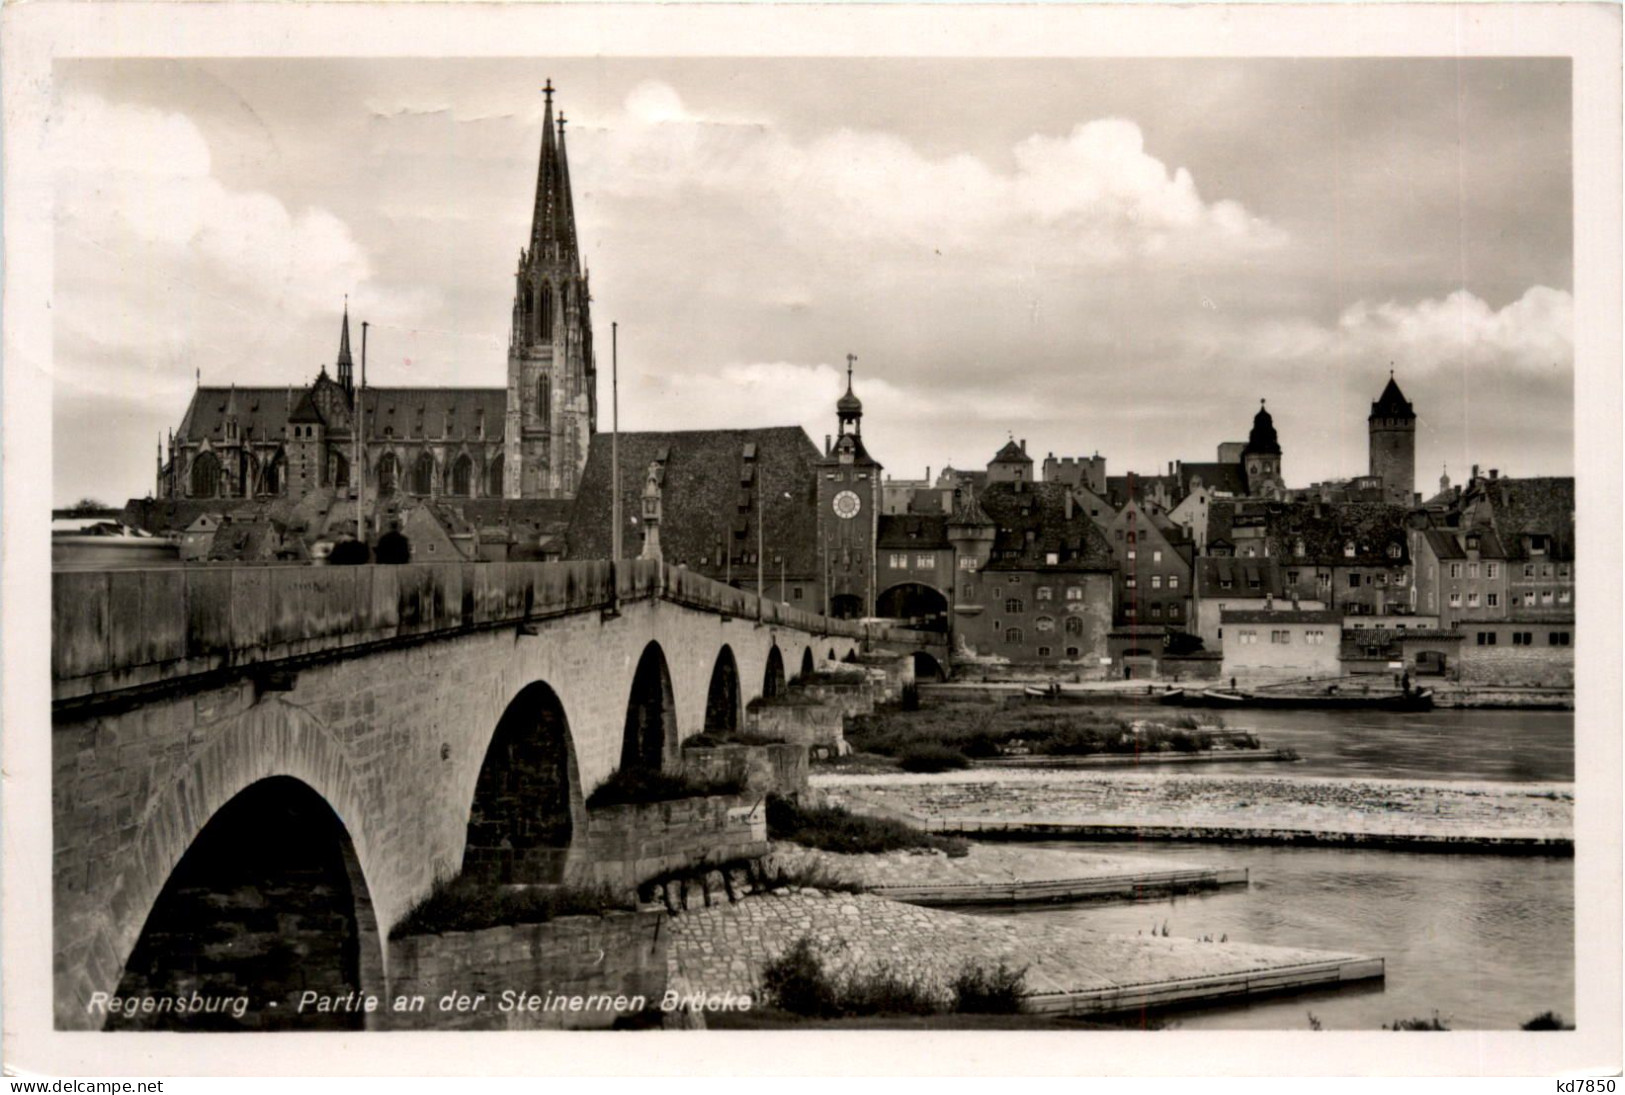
1092 197
1531 335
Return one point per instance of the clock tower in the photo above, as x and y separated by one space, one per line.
848 512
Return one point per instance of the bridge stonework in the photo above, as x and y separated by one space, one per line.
390 726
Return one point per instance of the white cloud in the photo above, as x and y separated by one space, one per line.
1092 197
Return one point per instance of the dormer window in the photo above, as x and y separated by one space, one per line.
1297 548
1393 551
1348 550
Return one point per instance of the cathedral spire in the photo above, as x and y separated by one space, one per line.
552 226
344 366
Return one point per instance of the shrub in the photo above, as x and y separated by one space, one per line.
1547 1020
712 739
796 981
835 829
932 758
638 785
1435 1023
812 876
462 905
911 697
983 991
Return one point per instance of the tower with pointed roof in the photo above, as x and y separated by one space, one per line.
1261 458
849 497
1392 430
552 385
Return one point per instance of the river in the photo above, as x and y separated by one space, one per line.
1458 744
1487 941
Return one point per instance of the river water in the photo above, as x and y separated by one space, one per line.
1455 744
1486 941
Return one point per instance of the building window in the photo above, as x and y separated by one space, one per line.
1280 637
1014 605
1012 634
1472 570
1546 570
1131 553
1247 637
1043 593
1156 581
1129 612
1074 593
1052 558
926 561
1072 652
1472 600
1348 550
1043 652
795 593
1491 600
1225 583
1545 596
1156 610
1354 581
1455 600
1562 570
1486 638
897 562
1074 625
1045 623
1455 570
1490 570
1129 582
1523 638
1563 597
1156 556
1558 638
1173 581
1529 570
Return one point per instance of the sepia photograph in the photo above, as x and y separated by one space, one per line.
794 541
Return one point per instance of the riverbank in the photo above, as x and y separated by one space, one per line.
1069 970
1006 874
1180 806
1446 694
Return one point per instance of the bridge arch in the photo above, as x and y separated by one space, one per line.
650 739
269 900
927 667
723 695
808 666
527 804
773 673
924 606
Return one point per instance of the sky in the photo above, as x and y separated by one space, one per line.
1113 256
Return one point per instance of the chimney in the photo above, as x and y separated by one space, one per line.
1024 446
1170 467
1475 471
1069 505
826 444
928 475
1495 473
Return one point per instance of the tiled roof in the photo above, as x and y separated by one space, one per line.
1122 489
1327 529
409 412
1227 478
1448 543
1392 403
1011 453
1543 506
912 531
1213 573
1040 508
701 497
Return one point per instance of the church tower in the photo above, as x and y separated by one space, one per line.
1392 427
1261 459
849 497
552 382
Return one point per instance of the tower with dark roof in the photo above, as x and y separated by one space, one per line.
552 385
1261 459
849 496
1392 429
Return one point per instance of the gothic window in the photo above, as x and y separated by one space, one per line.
496 478
462 476
389 474
338 470
205 476
545 313
423 475
544 400
273 475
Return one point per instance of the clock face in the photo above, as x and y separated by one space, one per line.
847 505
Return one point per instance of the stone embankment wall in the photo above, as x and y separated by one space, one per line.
630 844
1540 665
598 960
796 718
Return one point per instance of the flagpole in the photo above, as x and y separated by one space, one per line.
615 440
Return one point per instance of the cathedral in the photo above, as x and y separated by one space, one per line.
340 434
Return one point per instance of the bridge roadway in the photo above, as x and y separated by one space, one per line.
389 694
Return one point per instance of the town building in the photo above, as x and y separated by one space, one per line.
849 499
916 565
1280 644
1153 581
1223 584
1391 429
1088 472
340 434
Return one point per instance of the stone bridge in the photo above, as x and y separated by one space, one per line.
369 731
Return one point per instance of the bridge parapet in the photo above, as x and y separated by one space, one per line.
130 629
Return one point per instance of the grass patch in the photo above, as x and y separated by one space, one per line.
982 991
932 758
836 829
464 905
983 730
637 786
797 982
773 877
1433 1023
713 739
